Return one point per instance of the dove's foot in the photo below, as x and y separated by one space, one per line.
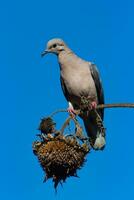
93 105
71 110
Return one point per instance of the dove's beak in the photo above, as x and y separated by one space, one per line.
44 53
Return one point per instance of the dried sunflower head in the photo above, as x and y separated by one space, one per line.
60 158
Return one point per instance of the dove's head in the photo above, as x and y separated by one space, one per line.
54 46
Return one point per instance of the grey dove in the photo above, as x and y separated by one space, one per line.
79 78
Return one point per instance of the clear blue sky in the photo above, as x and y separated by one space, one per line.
99 31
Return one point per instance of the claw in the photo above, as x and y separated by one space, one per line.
71 110
93 105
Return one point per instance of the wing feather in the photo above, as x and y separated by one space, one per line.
99 88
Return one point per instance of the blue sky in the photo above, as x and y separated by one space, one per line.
99 31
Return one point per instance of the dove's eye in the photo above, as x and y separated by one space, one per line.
54 45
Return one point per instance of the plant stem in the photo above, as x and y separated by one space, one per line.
101 106
116 105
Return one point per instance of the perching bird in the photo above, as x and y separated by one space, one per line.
79 78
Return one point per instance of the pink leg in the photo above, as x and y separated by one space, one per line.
70 109
93 105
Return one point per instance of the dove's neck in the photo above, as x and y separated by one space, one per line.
67 52
68 59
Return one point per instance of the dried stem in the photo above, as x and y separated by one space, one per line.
101 106
65 124
116 105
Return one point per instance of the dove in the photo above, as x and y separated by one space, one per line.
79 78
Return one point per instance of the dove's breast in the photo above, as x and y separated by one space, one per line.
78 79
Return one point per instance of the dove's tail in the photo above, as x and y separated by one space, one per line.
97 141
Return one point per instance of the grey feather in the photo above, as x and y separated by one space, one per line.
99 88
64 89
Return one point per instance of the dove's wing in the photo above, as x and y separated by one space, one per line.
99 88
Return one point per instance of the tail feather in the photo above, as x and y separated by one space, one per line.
97 141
